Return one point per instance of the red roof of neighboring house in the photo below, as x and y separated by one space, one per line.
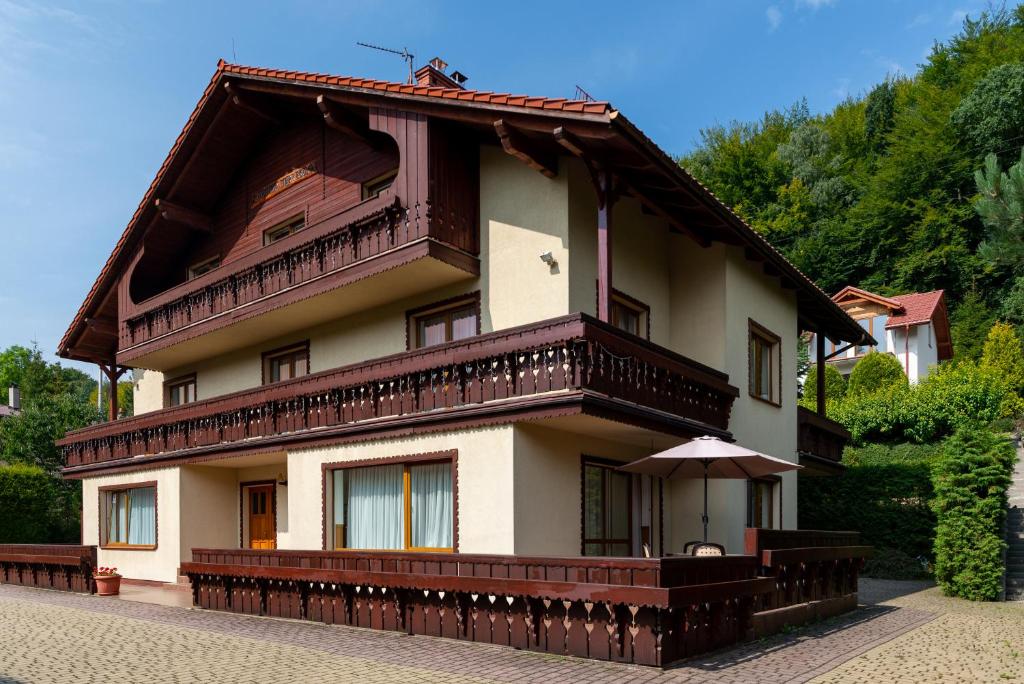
916 308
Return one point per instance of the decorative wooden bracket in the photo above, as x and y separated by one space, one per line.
525 150
176 213
242 102
113 373
343 122
607 186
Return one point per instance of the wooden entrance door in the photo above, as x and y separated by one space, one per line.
262 534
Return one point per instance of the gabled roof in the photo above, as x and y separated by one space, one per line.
611 135
851 293
916 308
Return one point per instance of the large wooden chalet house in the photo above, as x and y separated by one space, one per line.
374 315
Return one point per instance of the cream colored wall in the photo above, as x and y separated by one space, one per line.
147 391
523 215
160 564
209 511
484 476
771 429
698 303
548 508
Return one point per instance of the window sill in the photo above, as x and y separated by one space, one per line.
128 547
776 404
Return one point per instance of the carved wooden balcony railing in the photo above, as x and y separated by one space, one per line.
820 436
570 361
64 567
649 611
325 250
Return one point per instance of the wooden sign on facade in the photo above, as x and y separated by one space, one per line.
282 184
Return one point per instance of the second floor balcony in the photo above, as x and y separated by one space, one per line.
377 238
569 365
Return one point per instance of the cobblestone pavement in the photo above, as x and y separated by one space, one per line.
50 636
966 642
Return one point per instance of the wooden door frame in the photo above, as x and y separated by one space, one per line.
242 508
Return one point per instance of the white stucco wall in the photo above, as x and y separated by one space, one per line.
147 391
160 564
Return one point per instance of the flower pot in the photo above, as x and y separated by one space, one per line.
107 585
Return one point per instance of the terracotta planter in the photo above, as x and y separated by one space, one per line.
107 585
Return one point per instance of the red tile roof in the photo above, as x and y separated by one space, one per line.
554 106
918 307
487 97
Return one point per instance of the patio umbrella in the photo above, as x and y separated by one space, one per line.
711 457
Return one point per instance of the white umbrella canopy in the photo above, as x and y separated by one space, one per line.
709 457
721 459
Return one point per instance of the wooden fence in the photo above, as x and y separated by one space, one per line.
63 567
645 611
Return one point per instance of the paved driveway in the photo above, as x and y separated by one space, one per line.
55 637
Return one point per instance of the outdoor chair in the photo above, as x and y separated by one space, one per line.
703 548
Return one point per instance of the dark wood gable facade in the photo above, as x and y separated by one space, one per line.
289 199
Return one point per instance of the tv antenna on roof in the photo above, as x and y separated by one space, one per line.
403 53
582 94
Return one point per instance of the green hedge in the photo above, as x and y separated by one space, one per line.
950 398
875 372
37 508
971 479
835 386
885 493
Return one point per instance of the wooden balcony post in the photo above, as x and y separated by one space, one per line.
819 340
605 204
113 373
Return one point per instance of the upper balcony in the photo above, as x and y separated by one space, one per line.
820 441
569 365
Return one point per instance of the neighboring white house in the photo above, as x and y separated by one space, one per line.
912 327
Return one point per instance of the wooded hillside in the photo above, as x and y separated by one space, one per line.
881 191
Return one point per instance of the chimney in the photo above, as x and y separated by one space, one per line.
433 74
14 397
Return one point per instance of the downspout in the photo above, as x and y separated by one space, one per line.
906 350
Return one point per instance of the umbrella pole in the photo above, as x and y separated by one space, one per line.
704 518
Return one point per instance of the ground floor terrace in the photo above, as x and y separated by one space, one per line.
903 631
548 488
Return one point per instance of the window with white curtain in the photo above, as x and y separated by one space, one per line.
129 517
392 507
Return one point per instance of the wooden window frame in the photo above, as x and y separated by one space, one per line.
190 273
754 329
365 187
406 461
177 382
297 218
449 305
267 356
103 510
774 481
606 464
643 310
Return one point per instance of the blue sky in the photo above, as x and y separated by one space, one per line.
92 94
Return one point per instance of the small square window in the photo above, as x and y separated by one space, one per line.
629 315
279 232
284 364
203 267
444 323
181 391
373 187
